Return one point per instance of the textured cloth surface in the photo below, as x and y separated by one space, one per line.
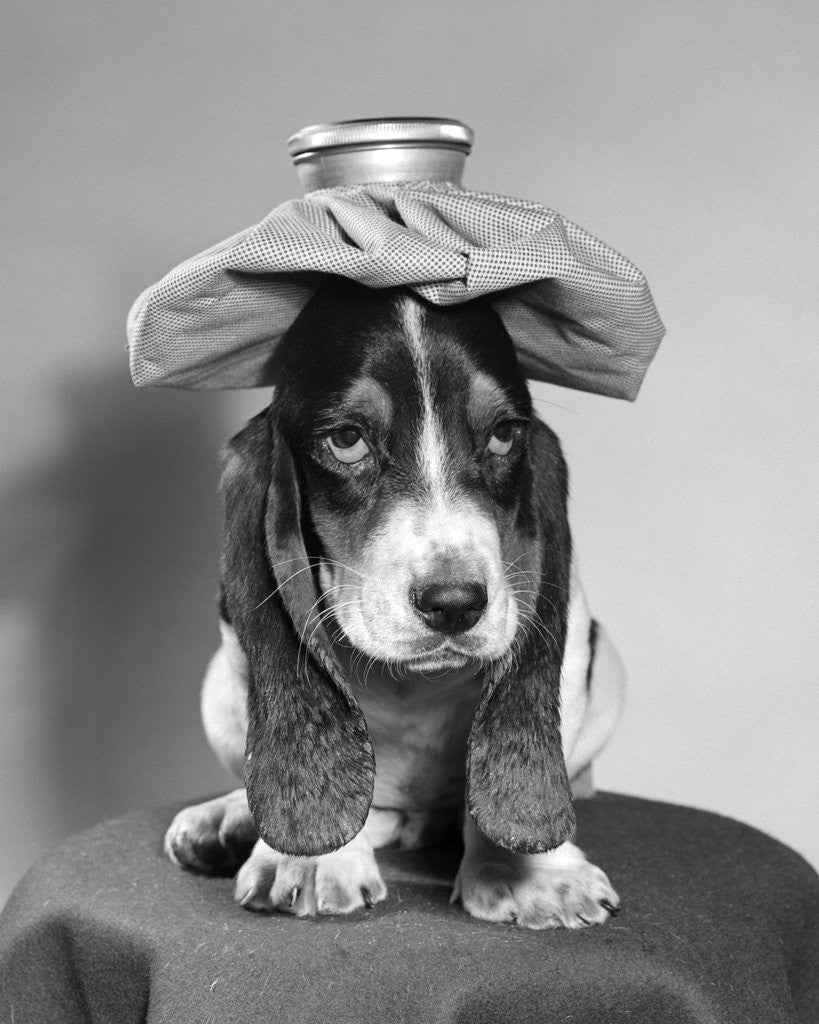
579 313
720 925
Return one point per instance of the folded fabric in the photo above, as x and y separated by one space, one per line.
579 313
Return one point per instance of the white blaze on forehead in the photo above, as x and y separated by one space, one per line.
432 457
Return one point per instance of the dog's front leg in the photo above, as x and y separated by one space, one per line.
334 883
541 890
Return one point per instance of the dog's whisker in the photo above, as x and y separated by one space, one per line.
277 589
343 565
524 554
324 613
304 641
320 620
306 568
535 623
284 582
287 561
538 400
370 665
521 589
323 616
535 577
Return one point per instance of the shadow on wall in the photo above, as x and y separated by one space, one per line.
110 571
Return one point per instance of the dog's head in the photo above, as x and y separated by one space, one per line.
398 496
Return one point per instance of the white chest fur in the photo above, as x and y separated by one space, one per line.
419 729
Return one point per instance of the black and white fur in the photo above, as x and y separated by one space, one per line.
403 626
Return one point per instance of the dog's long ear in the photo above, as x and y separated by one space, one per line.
309 764
518 788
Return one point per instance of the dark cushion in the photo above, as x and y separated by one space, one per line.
720 923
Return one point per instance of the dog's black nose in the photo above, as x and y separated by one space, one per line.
450 606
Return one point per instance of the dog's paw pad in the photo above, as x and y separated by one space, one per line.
537 896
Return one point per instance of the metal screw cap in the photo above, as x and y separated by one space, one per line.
380 149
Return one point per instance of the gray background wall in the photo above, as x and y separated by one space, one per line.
680 132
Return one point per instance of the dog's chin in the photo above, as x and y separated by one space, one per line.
449 659
437 664
446 662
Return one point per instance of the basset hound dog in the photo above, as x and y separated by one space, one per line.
406 647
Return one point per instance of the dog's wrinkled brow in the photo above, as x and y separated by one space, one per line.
488 401
369 400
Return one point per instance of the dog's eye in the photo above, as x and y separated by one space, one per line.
348 445
500 443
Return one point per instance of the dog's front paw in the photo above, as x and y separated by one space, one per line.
546 890
214 837
335 883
